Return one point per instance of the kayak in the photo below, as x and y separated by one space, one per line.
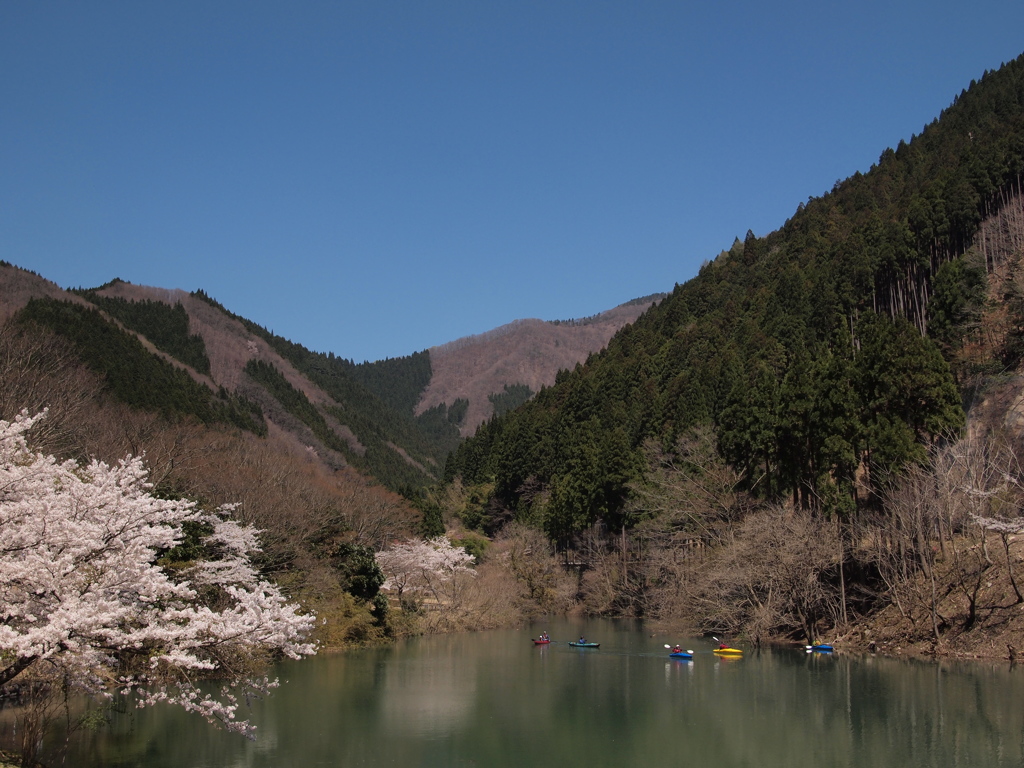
574 644
682 655
541 642
822 648
728 651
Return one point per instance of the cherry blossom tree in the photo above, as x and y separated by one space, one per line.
90 600
431 565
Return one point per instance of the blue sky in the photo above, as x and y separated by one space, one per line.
376 178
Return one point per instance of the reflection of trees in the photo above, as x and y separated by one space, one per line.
428 697
451 700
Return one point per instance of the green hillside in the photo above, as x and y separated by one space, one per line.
822 357
375 401
166 326
136 376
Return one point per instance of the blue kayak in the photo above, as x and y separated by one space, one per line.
822 648
682 655
575 644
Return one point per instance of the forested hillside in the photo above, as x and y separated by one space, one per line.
385 418
815 352
374 401
310 447
809 368
136 376
186 357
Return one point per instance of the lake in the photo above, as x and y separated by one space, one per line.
494 699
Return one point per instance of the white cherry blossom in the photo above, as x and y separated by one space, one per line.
418 565
84 595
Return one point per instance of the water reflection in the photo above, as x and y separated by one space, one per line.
494 699
430 696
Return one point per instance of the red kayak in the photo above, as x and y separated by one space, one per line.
541 642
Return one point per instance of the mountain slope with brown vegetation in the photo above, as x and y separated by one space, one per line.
309 511
20 285
230 347
370 431
525 352
194 337
321 516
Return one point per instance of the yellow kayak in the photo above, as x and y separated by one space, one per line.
728 651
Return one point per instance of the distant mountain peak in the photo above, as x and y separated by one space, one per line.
528 352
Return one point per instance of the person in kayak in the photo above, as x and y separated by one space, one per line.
676 649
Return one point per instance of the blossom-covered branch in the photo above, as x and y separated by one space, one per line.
81 585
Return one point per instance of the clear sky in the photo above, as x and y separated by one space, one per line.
374 178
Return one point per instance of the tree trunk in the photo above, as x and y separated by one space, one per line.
934 610
842 574
15 669
1009 568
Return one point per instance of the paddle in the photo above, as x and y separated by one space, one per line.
687 650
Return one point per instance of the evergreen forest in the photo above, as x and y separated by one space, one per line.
810 370
376 401
133 374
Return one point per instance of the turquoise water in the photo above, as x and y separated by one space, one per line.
493 699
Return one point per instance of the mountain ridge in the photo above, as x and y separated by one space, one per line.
232 343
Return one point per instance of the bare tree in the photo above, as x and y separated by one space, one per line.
905 545
992 486
936 527
532 560
40 370
688 491
686 504
777 575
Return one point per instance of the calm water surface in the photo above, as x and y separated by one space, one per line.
493 699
